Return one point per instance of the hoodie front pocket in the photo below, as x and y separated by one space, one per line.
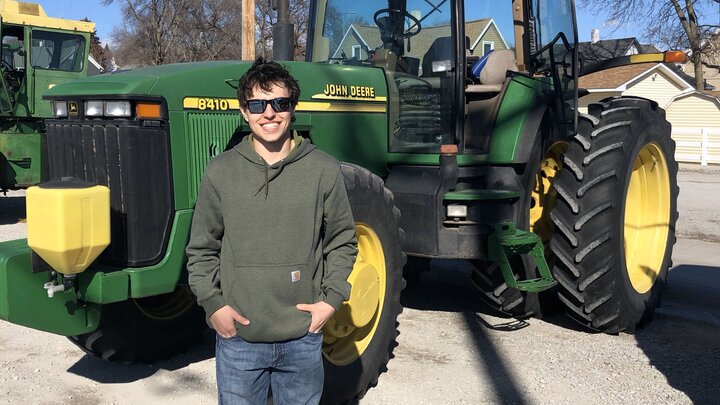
267 295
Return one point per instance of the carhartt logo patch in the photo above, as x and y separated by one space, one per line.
295 276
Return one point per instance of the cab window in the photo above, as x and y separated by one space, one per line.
57 51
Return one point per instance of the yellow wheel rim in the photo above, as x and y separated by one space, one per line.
647 217
350 331
543 196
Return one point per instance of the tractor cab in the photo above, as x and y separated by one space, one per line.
38 52
448 63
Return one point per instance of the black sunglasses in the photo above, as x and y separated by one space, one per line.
280 104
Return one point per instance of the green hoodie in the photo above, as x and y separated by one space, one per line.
267 237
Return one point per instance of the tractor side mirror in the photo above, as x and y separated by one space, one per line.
569 67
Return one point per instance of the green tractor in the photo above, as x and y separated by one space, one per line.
38 52
443 158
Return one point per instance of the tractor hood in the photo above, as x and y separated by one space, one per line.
153 80
175 82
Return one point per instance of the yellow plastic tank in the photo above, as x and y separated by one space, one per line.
68 223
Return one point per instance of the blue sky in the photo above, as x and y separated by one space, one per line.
106 17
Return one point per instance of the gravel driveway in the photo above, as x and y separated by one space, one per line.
451 348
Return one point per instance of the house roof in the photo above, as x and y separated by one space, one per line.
611 48
713 96
678 70
622 76
613 78
94 68
606 49
474 29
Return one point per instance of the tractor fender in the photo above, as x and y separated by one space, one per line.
541 114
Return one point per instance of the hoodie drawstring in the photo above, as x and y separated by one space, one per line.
267 181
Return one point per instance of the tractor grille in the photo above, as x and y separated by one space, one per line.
134 162
208 135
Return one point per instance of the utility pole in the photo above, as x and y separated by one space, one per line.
248 29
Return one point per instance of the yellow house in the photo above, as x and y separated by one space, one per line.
694 115
650 80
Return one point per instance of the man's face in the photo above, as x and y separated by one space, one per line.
269 125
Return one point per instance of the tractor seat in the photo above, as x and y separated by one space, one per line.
441 50
493 75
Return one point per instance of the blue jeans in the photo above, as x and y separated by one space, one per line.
293 368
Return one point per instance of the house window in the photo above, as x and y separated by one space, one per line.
488 46
356 51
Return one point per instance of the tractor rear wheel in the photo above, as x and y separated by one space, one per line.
146 329
615 215
359 339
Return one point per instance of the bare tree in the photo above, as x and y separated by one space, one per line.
156 32
96 48
265 17
674 24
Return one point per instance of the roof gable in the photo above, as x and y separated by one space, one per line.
619 78
486 24
712 96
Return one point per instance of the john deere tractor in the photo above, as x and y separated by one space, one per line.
38 52
454 143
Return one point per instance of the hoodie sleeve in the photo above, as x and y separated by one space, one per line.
339 244
203 249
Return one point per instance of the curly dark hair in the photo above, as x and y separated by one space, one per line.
264 74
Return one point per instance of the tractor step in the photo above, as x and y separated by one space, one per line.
506 241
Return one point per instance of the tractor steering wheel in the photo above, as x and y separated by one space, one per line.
7 66
389 11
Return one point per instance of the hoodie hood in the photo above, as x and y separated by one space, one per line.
246 150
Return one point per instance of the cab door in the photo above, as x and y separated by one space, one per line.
7 103
56 56
555 51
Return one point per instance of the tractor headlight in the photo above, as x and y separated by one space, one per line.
118 109
60 109
457 211
94 108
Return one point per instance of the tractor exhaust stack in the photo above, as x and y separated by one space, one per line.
283 32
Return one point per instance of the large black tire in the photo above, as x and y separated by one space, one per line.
373 209
146 329
620 161
487 277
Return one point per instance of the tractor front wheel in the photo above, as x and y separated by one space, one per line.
359 339
146 329
615 215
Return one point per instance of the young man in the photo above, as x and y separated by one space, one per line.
271 246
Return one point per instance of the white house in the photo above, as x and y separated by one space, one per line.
694 115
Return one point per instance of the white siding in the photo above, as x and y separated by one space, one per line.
655 86
694 111
690 117
492 35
